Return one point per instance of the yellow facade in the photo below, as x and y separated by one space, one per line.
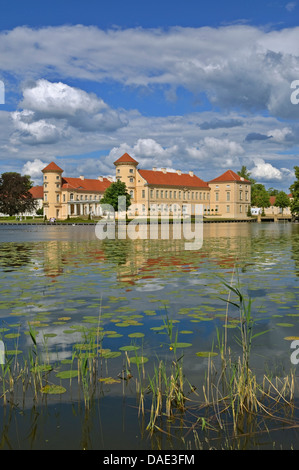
158 192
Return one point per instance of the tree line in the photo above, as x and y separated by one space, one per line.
260 196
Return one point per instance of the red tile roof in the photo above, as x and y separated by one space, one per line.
52 167
37 192
159 178
229 175
126 158
85 185
273 199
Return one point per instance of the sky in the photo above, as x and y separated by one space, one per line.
184 85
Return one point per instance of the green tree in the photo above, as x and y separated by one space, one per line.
282 200
244 173
113 192
294 188
273 191
260 196
15 197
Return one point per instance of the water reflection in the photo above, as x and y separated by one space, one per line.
14 255
62 280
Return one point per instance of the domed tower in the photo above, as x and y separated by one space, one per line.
126 169
52 190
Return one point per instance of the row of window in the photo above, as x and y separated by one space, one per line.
240 208
90 198
57 177
173 194
175 208
228 197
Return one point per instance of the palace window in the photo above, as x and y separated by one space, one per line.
228 196
131 170
217 196
157 193
227 208
143 193
71 197
152 193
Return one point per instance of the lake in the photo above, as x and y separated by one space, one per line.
89 327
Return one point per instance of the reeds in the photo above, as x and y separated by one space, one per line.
167 385
234 393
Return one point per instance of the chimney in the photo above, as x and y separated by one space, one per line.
100 178
179 172
191 173
154 168
163 170
81 177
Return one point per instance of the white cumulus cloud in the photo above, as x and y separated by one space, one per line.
33 169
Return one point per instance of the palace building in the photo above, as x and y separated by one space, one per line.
227 196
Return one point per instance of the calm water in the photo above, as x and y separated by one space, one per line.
64 282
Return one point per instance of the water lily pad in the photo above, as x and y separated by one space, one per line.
111 354
129 348
109 380
138 360
181 345
41 368
206 354
67 374
136 335
53 389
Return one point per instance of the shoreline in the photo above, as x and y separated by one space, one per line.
72 224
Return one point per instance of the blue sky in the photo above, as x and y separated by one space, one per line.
191 85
